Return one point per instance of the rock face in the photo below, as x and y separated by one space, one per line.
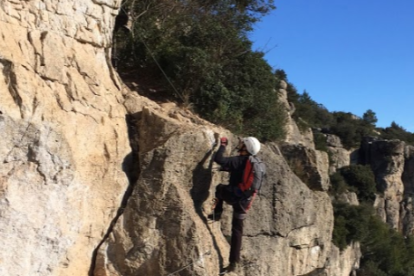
310 165
344 263
96 180
393 166
63 135
407 207
408 174
293 134
349 198
387 162
164 227
340 157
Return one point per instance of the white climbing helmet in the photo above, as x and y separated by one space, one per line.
252 145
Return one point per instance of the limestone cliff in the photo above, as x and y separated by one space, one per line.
293 134
392 164
96 180
63 135
164 227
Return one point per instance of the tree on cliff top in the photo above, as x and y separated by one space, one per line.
395 131
370 117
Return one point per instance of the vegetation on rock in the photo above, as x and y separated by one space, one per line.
347 126
384 250
199 52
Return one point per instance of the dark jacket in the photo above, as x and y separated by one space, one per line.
235 165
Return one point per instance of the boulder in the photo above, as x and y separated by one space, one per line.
349 198
333 141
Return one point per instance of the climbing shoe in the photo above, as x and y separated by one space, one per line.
232 267
216 216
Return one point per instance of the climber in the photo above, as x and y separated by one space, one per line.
233 195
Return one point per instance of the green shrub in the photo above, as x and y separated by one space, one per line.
395 131
354 178
384 251
351 223
308 113
362 179
350 128
339 185
320 141
371 268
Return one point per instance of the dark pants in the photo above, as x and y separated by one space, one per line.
236 239
240 207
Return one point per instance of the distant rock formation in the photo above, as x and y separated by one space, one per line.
393 166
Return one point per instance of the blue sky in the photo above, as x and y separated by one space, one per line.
348 55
